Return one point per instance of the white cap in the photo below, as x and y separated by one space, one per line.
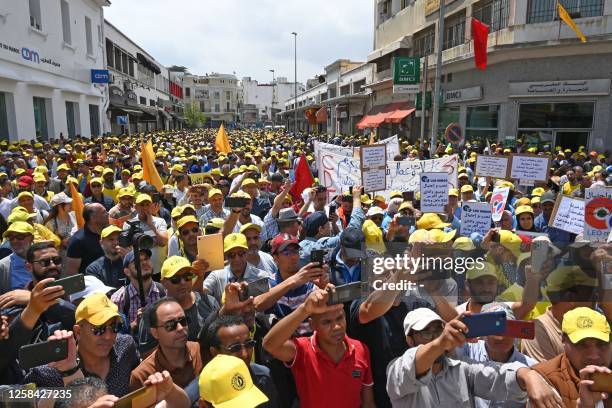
418 319
374 211
92 285
60 198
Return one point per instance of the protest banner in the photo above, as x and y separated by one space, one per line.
392 143
498 202
492 166
529 167
568 214
434 192
373 167
597 210
475 217
200 178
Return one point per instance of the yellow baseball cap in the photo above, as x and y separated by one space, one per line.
431 220
19 216
453 192
433 236
538 191
142 198
63 167
248 182
24 194
235 240
250 225
467 189
396 193
225 382
111 229
125 192
476 271
567 277
96 180
96 309
214 191
216 223
186 220
464 244
585 323
174 265
39 177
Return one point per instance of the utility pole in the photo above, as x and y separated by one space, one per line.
436 94
273 98
423 100
295 114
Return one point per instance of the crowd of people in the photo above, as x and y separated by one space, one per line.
156 315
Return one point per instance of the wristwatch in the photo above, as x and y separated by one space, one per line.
72 371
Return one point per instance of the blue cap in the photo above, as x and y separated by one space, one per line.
313 222
129 257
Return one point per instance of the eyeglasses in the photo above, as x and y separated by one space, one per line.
100 330
289 252
171 325
57 260
237 347
429 335
186 277
236 254
194 230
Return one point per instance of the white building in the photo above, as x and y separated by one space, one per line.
216 95
266 98
47 52
139 85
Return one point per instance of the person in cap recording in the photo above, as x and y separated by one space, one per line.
586 343
425 375
84 246
345 260
255 256
109 267
215 208
225 382
100 352
242 216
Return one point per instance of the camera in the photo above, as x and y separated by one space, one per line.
135 236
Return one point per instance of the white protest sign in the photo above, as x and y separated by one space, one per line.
597 211
393 148
475 217
493 166
498 202
568 214
529 167
373 167
392 143
434 192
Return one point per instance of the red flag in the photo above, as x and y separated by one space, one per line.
480 34
303 178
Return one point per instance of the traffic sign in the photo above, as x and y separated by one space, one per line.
454 134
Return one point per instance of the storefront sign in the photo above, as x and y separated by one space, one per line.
30 55
132 99
560 88
431 6
462 95
100 76
406 74
116 95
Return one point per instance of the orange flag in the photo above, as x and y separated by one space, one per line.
77 206
222 144
149 172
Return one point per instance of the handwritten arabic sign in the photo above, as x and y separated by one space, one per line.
392 143
434 192
529 167
568 214
475 217
373 167
560 88
493 166
597 211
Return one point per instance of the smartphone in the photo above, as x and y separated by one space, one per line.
539 253
331 210
141 398
602 382
344 293
520 329
71 284
485 324
236 202
351 190
406 221
258 287
37 354
318 255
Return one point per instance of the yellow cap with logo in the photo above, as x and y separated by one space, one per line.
482 269
18 227
235 240
186 220
96 309
174 265
142 198
225 382
111 229
585 323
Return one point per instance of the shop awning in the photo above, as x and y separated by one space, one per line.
392 113
121 109
321 115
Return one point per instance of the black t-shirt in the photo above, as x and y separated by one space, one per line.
385 339
84 245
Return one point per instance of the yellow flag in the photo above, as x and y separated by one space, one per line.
77 205
222 144
563 14
149 172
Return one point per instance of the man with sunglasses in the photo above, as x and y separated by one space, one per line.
109 268
99 350
181 358
189 230
13 272
235 248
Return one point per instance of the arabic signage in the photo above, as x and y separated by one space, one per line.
462 95
30 55
583 87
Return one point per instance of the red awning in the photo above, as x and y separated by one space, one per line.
322 115
392 113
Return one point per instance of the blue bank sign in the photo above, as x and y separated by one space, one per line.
99 76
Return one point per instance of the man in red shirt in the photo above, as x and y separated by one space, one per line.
330 369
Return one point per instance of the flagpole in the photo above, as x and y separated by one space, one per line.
436 95
423 99
557 12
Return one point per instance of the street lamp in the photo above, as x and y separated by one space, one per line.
273 98
295 115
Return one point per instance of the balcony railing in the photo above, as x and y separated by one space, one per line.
540 11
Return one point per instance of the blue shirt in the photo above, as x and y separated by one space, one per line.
20 276
558 237
290 301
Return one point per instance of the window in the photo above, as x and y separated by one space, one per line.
449 77
110 54
124 63
202 107
227 107
345 90
143 100
152 102
424 41
35 16
556 115
447 116
100 36
71 110
131 67
217 95
217 107
384 11
94 120
4 126
118 59
492 12
228 95
66 21
358 86
482 122
40 118
539 11
454 30
188 92
88 36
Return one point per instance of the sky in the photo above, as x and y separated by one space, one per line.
248 37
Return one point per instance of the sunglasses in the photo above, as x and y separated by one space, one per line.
171 325
57 260
100 330
289 252
236 255
237 347
194 230
186 277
